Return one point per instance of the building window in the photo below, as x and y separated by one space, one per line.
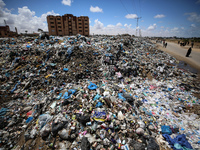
80 30
86 24
52 30
52 23
86 30
51 18
59 22
58 18
79 23
60 30
80 27
79 19
59 26
86 27
52 27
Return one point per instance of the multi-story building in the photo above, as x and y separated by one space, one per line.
68 25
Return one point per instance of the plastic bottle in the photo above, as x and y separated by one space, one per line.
94 126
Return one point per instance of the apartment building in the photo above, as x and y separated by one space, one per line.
68 25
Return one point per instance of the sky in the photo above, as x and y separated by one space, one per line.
166 18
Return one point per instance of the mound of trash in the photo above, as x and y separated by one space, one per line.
100 92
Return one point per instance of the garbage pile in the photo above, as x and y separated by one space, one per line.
100 92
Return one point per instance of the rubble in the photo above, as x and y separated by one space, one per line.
100 92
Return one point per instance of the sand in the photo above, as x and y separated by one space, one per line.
181 58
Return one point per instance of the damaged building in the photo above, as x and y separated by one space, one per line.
68 25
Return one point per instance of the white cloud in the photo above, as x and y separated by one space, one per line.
98 25
127 26
111 29
152 30
182 28
175 29
162 27
25 12
2 4
95 9
119 24
26 19
193 25
110 26
67 2
159 16
131 16
152 27
194 17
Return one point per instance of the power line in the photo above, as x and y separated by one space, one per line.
134 7
124 7
140 8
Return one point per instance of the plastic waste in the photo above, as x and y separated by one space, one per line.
166 130
43 119
92 86
29 119
85 144
120 116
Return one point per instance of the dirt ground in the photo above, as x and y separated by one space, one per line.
197 80
196 46
180 58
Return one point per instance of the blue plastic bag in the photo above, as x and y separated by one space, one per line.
166 130
67 95
121 97
99 104
29 119
59 96
65 69
92 86
97 97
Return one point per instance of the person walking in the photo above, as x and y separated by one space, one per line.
189 52
165 44
192 44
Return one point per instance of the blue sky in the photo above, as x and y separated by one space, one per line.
158 17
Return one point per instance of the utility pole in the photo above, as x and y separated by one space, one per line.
5 22
140 34
137 24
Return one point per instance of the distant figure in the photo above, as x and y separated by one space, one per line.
192 44
178 42
189 52
165 45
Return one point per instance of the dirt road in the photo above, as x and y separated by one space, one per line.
179 52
